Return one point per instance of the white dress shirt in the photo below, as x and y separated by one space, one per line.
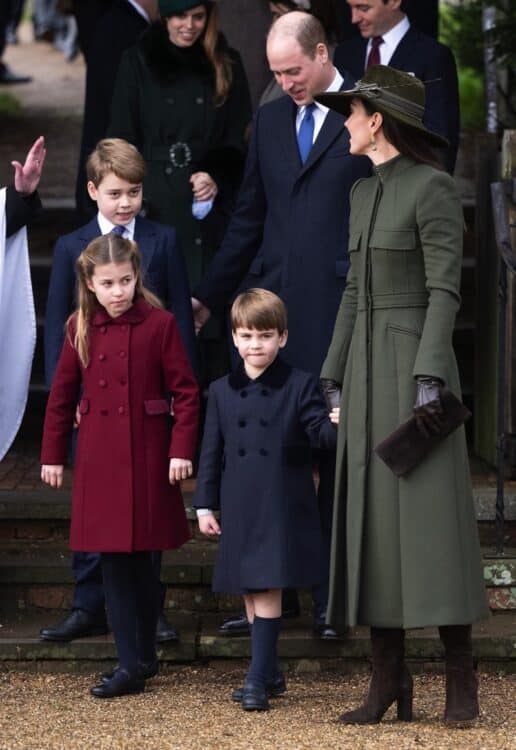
320 111
391 39
106 227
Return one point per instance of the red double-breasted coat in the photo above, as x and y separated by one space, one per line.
122 500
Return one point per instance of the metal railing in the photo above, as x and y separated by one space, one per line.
500 192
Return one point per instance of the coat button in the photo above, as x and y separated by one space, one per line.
242 423
102 357
121 410
243 394
103 383
121 354
265 392
263 422
123 381
199 100
241 452
104 412
264 452
124 327
103 329
168 170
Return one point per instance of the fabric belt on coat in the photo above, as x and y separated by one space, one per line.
384 301
180 154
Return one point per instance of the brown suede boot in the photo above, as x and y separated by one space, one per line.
461 680
390 681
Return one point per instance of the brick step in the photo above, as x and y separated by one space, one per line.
20 648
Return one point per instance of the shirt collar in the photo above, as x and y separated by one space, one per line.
334 86
275 376
106 226
394 36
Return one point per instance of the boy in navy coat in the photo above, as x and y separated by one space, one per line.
115 171
256 466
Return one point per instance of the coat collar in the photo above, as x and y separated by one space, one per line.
275 376
136 314
393 167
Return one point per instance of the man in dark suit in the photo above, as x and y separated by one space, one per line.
388 38
119 27
164 273
289 231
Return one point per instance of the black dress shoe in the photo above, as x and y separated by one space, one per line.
145 672
8 77
254 697
235 625
78 624
120 684
276 687
326 632
164 631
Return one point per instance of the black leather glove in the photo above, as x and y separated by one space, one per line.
428 408
331 392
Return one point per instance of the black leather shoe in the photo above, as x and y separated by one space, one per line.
120 684
8 77
326 632
236 625
165 632
78 624
276 687
254 697
145 672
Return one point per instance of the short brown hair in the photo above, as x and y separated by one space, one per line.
259 309
306 29
117 156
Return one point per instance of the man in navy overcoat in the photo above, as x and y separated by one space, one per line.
289 231
404 47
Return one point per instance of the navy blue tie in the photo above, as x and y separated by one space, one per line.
305 136
119 230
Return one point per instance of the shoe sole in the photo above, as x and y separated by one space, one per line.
118 695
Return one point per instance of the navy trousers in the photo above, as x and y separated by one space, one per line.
89 588
132 595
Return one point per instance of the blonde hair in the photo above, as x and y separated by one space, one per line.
117 156
109 248
219 59
259 309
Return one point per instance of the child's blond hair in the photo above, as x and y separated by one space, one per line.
259 309
114 155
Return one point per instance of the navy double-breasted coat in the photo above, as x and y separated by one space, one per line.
122 500
256 467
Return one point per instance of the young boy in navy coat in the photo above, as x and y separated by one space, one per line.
256 467
115 171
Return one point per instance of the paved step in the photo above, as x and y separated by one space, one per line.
20 647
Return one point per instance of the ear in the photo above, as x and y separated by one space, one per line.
234 336
376 122
283 339
92 190
321 52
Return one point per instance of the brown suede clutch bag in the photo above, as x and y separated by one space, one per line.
406 447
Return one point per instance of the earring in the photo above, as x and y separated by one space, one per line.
372 143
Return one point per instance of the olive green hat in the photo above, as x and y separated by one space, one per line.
400 95
173 7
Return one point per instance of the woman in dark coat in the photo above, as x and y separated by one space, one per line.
182 98
405 551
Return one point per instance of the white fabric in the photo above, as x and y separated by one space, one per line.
391 39
320 110
138 8
17 329
107 226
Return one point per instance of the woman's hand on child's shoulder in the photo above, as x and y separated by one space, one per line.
52 474
180 468
335 415
209 525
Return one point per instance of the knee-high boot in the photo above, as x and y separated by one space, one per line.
390 681
461 680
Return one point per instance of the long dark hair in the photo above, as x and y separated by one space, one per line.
407 140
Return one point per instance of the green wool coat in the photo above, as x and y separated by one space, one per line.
163 103
405 551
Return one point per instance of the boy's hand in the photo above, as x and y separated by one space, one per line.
209 525
335 415
52 474
180 468
27 177
203 186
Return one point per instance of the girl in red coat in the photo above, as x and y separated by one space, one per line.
125 353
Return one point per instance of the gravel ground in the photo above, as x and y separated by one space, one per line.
190 709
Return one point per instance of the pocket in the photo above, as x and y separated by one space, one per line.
354 242
84 406
393 239
256 267
156 406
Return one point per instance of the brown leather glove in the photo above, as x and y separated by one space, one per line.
428 408
331 392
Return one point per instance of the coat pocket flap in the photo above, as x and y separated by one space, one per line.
354 242
156 406
342 268
256 267
394 239
84 406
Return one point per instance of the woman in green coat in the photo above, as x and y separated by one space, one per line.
405 550
182 98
